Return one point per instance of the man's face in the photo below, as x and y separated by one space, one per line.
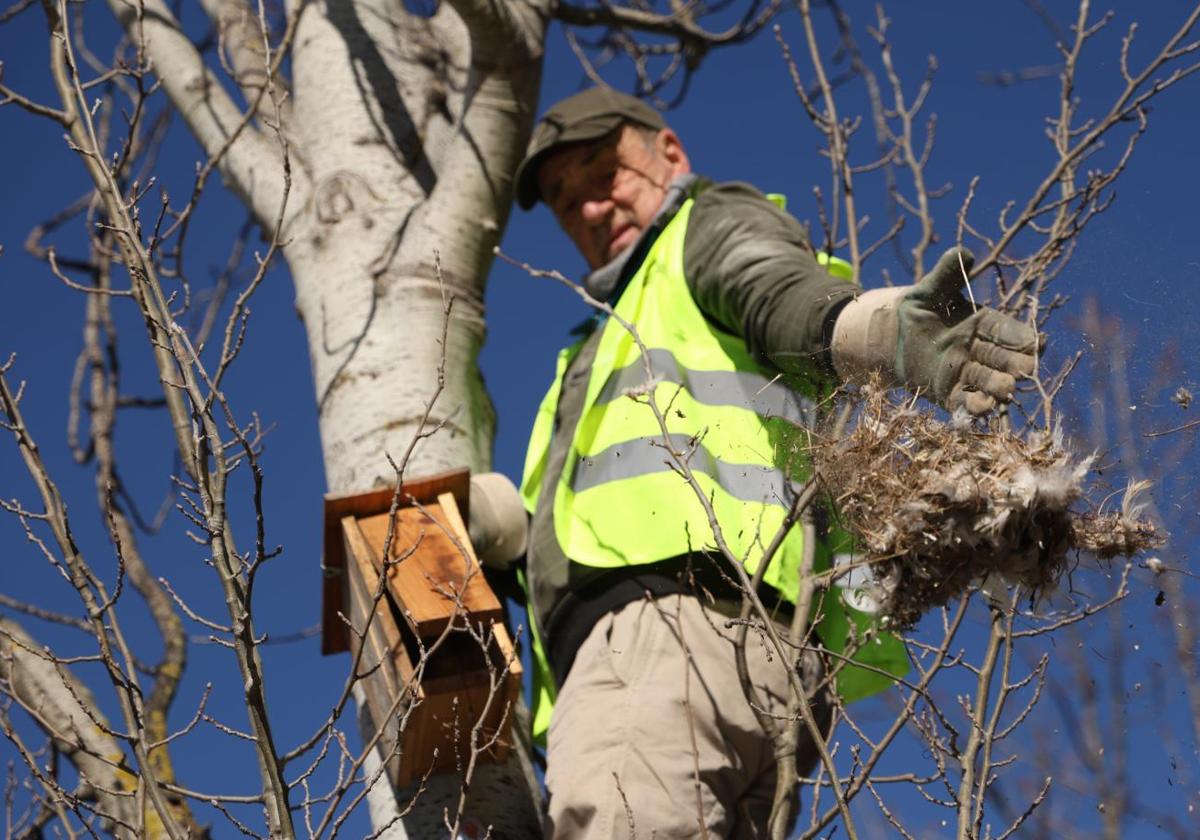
605 192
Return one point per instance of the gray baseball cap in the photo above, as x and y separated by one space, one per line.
587 115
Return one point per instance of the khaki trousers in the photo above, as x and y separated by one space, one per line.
649 741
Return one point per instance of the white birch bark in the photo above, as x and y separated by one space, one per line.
403 132
409 149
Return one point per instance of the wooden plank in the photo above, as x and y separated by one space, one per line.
457 527
458 695
334 639
384 631
428 745
375 626
433 578
503 711
416 545
481 602
507 654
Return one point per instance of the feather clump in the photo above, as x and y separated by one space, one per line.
936 506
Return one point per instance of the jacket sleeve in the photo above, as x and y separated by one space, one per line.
752 271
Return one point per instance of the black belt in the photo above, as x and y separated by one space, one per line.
575 616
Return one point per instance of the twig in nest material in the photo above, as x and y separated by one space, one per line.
936 506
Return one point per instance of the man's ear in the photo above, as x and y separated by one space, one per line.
670 148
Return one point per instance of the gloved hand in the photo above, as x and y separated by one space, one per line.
961 356
929 336
497 522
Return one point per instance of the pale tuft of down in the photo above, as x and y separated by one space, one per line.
937 506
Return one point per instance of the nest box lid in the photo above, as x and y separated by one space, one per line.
371 503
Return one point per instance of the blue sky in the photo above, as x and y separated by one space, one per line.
741 120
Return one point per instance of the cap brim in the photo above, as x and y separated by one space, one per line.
526 187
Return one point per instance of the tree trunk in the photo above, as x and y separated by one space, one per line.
409 155
402 134
407 139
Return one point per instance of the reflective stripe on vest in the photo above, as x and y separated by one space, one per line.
767 396
621 500
645 455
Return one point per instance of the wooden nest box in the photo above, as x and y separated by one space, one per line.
440 671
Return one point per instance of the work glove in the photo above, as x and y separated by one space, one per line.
929 336
961 355
497 522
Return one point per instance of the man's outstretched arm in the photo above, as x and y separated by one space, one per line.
752 271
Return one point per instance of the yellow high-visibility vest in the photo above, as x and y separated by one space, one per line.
621 502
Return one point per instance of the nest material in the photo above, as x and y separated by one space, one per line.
937 506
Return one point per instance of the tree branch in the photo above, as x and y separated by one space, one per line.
56 701
248 158
679 24
240 41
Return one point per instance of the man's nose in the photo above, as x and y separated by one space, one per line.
595 210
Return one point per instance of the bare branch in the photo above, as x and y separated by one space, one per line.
247 155
66 709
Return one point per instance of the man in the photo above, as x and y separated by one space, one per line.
650 724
